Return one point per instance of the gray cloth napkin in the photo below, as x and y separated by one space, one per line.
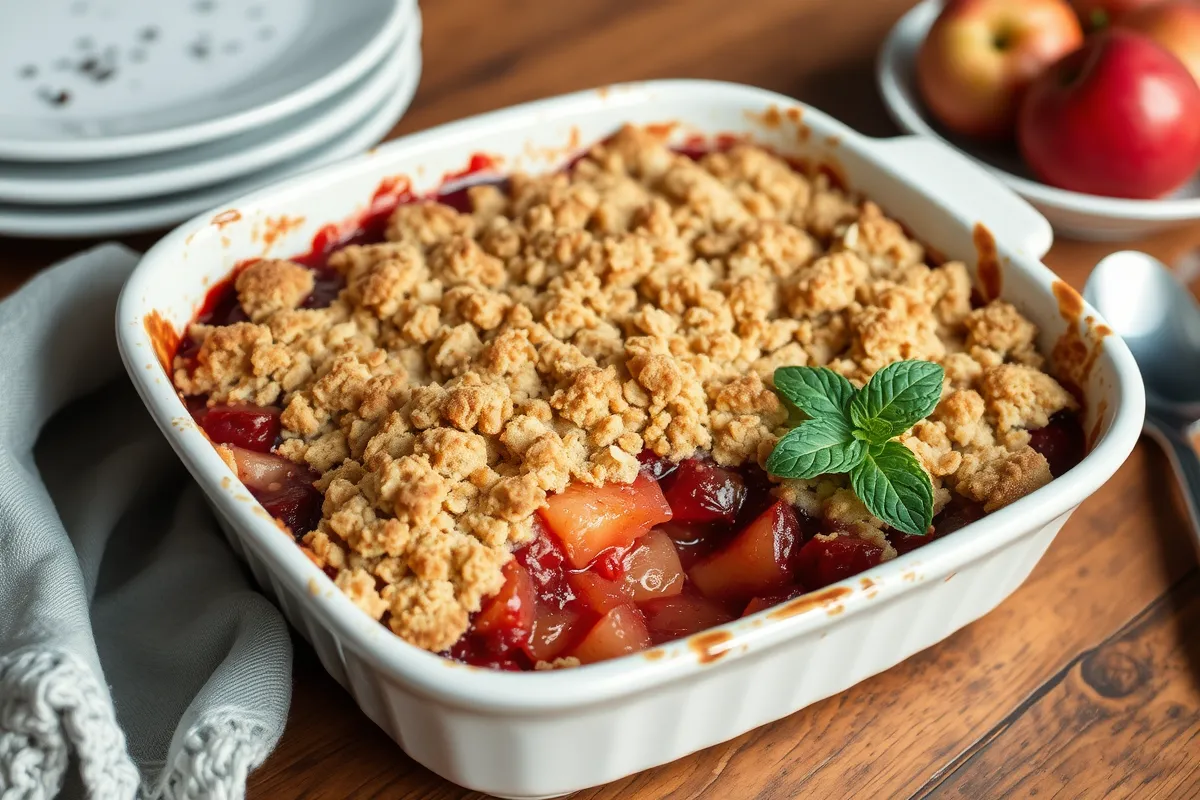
136 659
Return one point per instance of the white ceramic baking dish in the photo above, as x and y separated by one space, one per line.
544 734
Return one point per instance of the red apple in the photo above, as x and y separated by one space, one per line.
1098 13
1175 26
1120 117
981 55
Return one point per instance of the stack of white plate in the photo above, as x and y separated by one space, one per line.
127 115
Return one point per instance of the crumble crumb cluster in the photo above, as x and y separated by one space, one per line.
476 362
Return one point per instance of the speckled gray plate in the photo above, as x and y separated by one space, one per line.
92 79
113 219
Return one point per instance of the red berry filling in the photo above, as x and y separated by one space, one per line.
613 569
251 427
700 491
1062 442
824 561
284 488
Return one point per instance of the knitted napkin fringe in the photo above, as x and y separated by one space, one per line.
51 704
215 758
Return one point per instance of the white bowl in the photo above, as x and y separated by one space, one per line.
1073 214
543 734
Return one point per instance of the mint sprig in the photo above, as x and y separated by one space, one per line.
851 430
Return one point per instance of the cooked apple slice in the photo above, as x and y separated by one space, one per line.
283 488
267 472
652 568
669 618
824 561
597 593
590 519
554 631
508 615
757 562
622 630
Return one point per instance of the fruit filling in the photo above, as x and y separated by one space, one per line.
526 424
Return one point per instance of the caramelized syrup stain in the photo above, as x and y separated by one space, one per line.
710 646
991 282
825 597
770 119
226 218
773 119
276 228
164 338
478 163
1076 351
661 129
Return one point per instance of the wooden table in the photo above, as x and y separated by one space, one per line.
1085 683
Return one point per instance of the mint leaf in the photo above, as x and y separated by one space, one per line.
896 398
895 488
816 447
817 391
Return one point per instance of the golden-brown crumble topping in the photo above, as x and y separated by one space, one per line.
475 363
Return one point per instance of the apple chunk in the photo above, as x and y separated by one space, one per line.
596 592
509 614
590 519
669 618
825 561
622 630
652 569
757 562
552 633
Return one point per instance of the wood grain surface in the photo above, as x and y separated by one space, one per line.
1085 683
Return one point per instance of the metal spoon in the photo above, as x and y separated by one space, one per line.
1156 315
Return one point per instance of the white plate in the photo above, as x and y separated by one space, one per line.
1074 214
204 165
122 218
90 79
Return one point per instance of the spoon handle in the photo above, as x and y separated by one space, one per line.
1180 441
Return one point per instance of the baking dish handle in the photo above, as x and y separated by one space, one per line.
960 182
